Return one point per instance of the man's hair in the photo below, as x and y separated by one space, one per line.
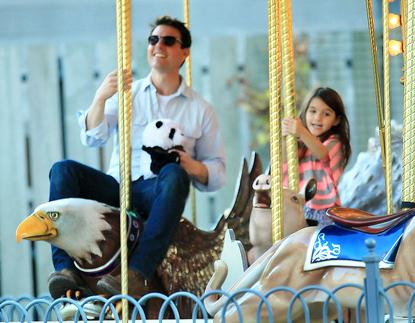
186 39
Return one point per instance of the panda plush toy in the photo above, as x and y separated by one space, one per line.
160 138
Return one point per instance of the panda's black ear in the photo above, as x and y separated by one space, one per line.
159 124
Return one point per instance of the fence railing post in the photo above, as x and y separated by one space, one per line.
374 310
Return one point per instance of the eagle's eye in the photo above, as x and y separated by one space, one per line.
53 215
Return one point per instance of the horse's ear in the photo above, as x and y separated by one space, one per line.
309 189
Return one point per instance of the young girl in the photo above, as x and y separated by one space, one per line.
322 130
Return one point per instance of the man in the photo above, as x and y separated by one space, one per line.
160 200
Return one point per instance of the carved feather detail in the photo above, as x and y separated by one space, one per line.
188 264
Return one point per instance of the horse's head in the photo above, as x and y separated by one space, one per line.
293 206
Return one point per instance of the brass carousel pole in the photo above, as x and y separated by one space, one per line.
385 142
123 8
274 49
188 59
408 160
287 49
387 108
189 84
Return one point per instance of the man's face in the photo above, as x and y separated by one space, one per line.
166 58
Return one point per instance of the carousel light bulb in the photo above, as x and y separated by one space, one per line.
394 20
395 47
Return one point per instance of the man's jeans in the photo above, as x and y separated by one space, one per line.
160 201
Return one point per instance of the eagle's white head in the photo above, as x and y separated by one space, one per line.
75 225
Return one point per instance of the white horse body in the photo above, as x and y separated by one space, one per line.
282 265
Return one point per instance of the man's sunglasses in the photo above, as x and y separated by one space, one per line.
167 40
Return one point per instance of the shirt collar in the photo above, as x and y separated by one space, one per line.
182 90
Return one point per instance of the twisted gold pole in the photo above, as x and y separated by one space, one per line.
189 83
274 49
408 162
188 59
404 15
287 48
123 9
387 108
378 97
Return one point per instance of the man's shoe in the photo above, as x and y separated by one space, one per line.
137 284
61 281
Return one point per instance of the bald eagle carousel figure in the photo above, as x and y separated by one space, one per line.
89 232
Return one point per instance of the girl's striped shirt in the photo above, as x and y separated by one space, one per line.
327 173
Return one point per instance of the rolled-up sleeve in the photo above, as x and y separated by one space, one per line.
211 152
99 135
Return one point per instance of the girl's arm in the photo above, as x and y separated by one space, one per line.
336 158
296 128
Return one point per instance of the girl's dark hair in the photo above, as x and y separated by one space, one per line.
342 130
186 39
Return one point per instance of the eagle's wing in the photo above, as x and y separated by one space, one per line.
238 219
188 264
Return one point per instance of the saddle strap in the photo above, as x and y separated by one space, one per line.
133 233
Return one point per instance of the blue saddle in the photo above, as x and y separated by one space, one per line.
337 245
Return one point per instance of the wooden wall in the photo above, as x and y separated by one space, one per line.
38 128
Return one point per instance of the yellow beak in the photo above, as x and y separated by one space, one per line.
37 226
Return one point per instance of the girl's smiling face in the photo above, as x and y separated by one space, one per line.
320 117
